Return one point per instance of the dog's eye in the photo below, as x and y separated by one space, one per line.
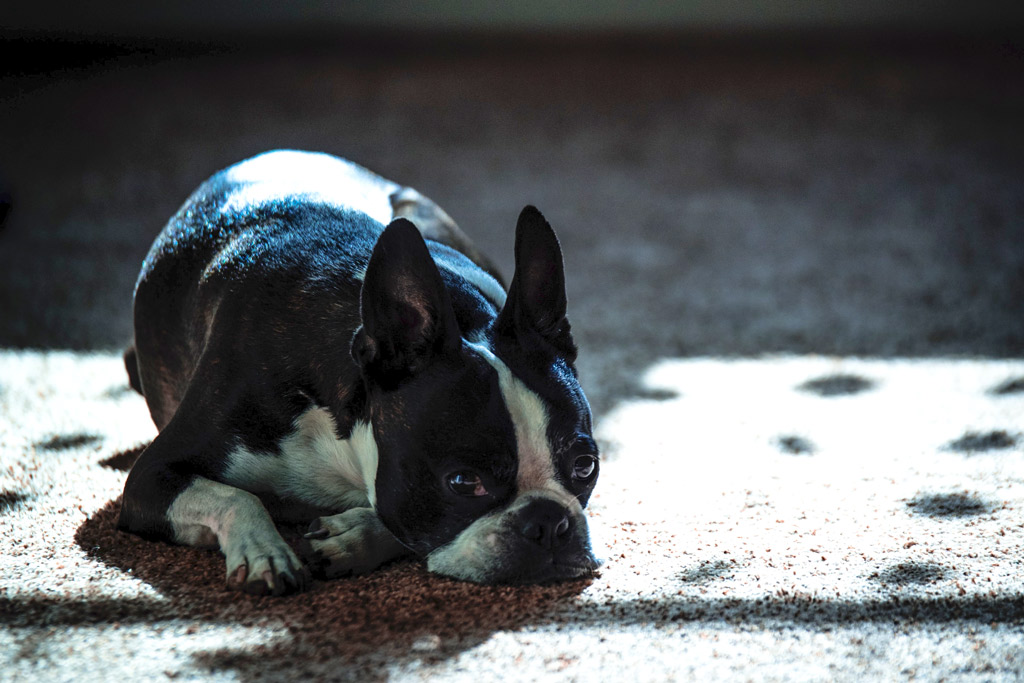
584 467
466 484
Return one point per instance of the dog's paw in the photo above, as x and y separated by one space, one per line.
350 543
265 566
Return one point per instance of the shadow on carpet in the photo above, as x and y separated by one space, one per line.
399 612
402 613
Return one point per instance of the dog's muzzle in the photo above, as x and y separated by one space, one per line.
536 539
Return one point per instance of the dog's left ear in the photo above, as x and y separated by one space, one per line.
406 312
536 297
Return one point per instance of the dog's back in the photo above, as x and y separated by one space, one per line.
251 228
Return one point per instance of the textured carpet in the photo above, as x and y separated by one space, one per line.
796 273
774 519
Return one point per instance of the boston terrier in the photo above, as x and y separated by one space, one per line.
303 362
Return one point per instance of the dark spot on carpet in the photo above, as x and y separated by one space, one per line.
707 572
837 385
795 445
117 391
976 442
656 394
1014 385
948 505
125 459
10 500
66 442
907 573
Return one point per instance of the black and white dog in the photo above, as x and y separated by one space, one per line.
303 362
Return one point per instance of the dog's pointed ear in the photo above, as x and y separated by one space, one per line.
536 297
407 315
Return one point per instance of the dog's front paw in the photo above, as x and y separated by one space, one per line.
265 566
353 542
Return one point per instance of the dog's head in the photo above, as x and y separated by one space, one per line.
486 457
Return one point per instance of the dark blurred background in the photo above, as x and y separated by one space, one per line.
727 177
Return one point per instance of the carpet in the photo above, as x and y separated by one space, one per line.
780 518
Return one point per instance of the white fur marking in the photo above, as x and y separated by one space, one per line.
486 284
475 553
314 466
211 513
282 174
530 420
207 512
477 277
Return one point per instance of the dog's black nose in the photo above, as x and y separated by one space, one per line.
545 522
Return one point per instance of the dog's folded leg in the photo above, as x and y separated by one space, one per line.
258 559
165 498
353 542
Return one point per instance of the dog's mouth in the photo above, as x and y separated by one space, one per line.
557 570
520 568
554 574
575 571
519 545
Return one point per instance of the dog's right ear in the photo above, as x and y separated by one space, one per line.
407 315
536 298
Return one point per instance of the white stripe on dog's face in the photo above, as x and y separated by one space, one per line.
530 420
492 549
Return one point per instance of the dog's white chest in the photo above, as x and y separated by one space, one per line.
314 466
